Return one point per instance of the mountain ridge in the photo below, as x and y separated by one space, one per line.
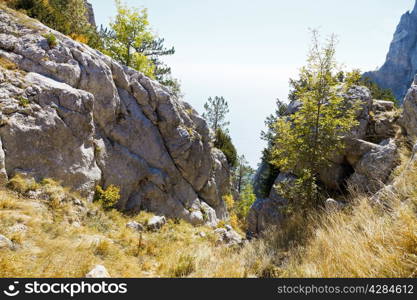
400 67
91 121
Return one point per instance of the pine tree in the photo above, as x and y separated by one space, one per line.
131 41
215 113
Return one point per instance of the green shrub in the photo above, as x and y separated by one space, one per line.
51 39
24 102
109 197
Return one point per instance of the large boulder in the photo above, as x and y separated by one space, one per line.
375 166
228 236
361 96
384 121
264 179
156 222
98 271
71 113
267 212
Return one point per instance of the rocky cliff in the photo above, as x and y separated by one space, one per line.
90 13
71 113
398 71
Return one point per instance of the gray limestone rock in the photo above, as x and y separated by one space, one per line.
75 115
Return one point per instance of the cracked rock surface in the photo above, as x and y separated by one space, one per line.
75 115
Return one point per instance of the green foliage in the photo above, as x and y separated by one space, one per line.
24 102
130 41
306 139
269 172
242 174
215 113
238 209
128 32
224 142
109 197
51 39
66 16
247 198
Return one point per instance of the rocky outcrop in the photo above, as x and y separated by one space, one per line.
399 69
369 156
374 167
266 212
73 114
90 13
135 226
408 118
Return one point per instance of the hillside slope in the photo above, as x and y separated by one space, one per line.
52 232
47 231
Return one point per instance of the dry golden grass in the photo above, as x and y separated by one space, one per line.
362 240
54 246
362 243
366 239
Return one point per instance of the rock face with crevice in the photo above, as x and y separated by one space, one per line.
71 113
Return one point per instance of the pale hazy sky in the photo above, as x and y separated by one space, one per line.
246 51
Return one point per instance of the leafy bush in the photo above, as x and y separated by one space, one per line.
305 140
109 197
238 209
